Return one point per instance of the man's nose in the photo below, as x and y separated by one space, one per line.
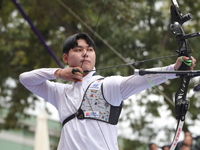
84 54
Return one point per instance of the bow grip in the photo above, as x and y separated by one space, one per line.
185 64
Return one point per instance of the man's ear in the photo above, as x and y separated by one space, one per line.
65 58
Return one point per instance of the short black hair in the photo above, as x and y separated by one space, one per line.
71 41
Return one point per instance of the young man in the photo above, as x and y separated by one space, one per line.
89 108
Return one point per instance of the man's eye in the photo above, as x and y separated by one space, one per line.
77 49
90 49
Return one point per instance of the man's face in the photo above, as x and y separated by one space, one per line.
81 56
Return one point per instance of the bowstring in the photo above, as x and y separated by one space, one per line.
132 63
94 30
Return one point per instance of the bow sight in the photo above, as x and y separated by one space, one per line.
177 20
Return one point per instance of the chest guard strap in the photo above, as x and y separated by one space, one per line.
94 106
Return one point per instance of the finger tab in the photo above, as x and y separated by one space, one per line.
74 71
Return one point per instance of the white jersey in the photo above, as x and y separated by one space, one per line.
87 134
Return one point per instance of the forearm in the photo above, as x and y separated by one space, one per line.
154 78
37 81
135 84
37 76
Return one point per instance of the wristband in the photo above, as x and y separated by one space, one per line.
59 74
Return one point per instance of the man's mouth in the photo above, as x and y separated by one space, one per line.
85 61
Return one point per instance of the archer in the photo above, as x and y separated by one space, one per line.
89 108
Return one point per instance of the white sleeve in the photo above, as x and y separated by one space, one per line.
37 81
135 83
118 88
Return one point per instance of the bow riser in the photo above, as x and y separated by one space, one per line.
181 104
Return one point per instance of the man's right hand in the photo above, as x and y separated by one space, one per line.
69 75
